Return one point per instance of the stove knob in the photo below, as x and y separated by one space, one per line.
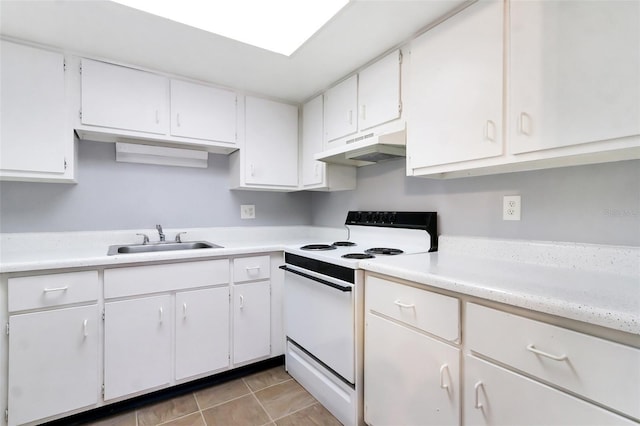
384 218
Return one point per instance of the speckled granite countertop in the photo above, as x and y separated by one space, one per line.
590 283
21 252
594 284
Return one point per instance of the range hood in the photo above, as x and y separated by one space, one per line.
367 149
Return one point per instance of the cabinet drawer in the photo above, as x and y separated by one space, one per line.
496 396
131 281
434 313
603 371
52 290
251 268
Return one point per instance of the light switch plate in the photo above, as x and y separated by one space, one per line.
247 211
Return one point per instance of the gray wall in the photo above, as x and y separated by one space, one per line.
112 195
594 204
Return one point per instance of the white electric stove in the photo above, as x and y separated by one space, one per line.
324 303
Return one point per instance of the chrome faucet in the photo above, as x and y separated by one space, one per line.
159 228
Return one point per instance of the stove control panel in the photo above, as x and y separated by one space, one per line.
413 220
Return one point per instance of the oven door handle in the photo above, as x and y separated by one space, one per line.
320 280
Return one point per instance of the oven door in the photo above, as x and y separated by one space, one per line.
320 318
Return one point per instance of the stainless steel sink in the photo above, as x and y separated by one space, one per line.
154 247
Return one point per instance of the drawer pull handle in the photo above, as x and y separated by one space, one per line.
49 290
184 310
523 128
445 367
252 268
532 348
241 302
490 131
477 387
85 331
404 305
160 312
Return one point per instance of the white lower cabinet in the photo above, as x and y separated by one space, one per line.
251 321
202 331
506 369
137 345
410 378
53 358
496 396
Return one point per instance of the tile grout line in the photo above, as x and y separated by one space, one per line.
199 409
315 401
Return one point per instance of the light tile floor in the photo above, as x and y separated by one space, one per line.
270 397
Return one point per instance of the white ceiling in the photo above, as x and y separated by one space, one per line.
362 31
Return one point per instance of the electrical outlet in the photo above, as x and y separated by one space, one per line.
511 207
247 211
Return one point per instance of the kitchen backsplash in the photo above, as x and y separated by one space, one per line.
592 204
111 195
597 204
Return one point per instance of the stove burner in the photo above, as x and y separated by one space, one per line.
383 250
318 247
358 256
343 244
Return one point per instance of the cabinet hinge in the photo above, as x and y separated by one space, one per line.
64 65
103 391
6 415
65 164
400 107
7 329
81 68
400 58
103 318
80 114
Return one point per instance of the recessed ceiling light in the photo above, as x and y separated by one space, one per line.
280 26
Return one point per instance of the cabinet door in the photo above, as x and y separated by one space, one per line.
202 112
202 331
495 396
455 102
123 98
410 379
251 321
341 109
312 171
33 135
137 345
53 362
575 72
379 92
271 144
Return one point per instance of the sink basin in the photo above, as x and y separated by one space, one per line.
154 247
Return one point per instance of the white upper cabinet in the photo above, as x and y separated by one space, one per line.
269 158
455 102
575 72
312 171
317 175
341 109
202 112
379 92
36 142
363 101
572 88
123 98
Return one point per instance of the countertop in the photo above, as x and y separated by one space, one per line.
595 284
605 293
22 252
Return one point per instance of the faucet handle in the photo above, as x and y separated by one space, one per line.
145 238
178 239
